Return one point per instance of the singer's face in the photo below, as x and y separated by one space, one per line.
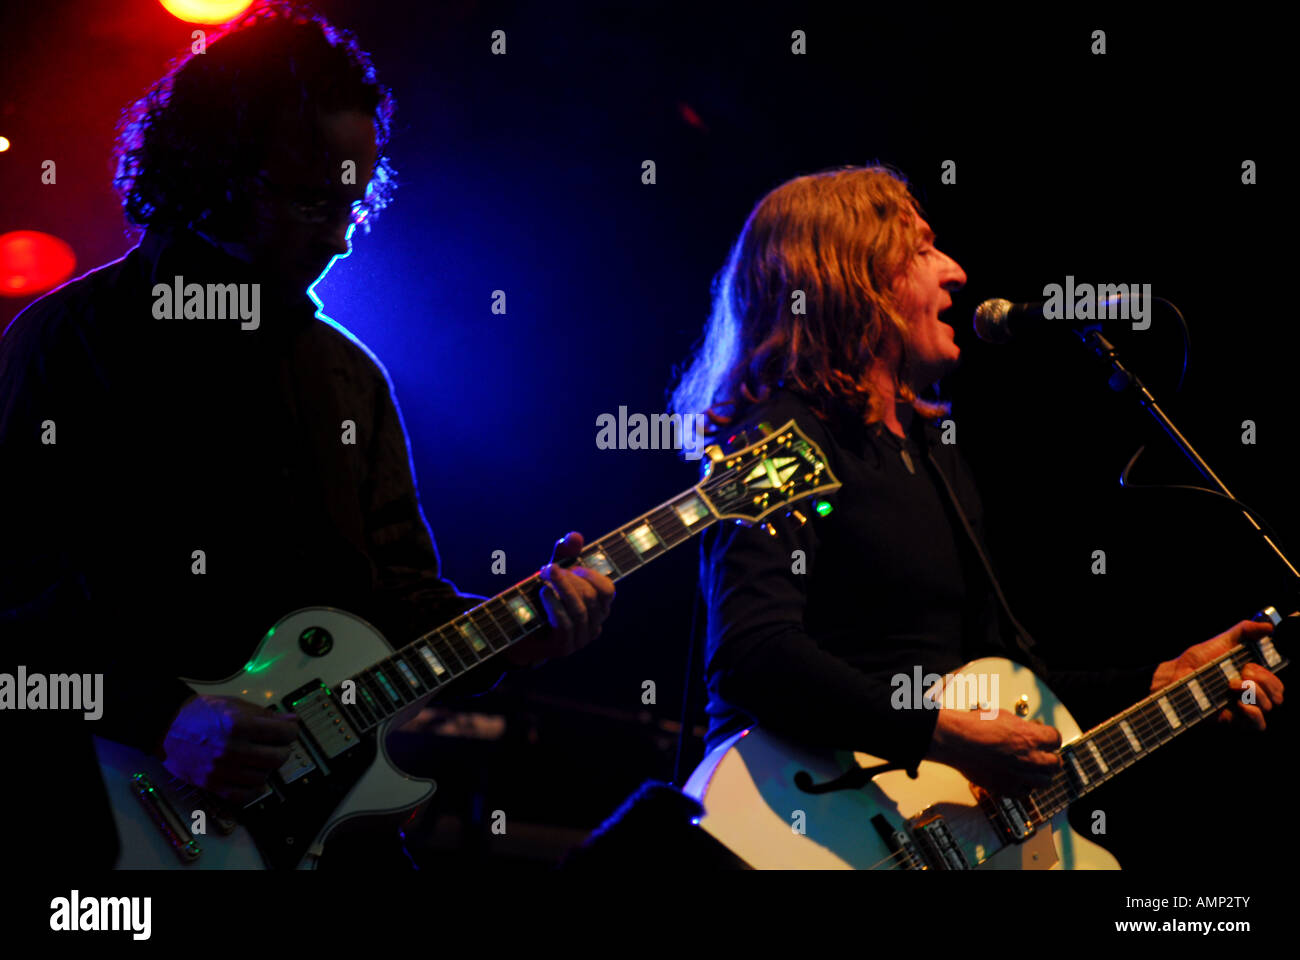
924 291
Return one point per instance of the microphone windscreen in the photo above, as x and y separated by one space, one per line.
991 321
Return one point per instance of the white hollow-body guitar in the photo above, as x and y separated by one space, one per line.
347 685
779 805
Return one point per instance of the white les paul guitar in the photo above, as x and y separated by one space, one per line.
346 684
857 811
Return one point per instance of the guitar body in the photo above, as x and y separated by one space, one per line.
753 805
338 769
329 780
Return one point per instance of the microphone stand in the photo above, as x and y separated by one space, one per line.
1121 378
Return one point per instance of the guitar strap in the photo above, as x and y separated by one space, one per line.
1022 636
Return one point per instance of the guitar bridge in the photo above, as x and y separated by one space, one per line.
905 854
166 819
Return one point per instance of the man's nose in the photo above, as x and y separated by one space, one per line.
954 276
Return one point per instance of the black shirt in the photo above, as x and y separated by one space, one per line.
184 435
807 627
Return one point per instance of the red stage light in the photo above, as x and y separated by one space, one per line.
206 11
31 261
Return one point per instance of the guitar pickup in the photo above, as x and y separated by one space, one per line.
938 843
328 731
1007 814
298 765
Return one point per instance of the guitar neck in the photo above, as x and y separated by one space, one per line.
1126 738
747 485
433 660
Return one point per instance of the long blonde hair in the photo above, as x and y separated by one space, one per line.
839 239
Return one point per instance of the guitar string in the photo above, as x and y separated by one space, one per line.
440 638
1109 736
1144 722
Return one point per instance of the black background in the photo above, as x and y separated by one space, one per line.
522 173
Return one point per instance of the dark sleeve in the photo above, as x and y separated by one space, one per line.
411 596
62 608
762 660
1093 696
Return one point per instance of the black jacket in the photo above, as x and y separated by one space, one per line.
809 623
175 436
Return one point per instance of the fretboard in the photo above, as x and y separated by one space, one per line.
433 660
1123 740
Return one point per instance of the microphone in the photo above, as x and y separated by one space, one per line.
998 320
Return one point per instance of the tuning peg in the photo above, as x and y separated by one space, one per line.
764 427
769 528
798 516
714 452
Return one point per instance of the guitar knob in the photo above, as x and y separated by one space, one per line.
316 641
1022 705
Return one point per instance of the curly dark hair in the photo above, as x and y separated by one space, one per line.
187 149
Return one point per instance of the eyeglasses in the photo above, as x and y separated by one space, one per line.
317 212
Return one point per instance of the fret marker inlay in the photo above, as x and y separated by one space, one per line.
691 510
642 538
596 560
1271 656
1078 769
1132 739
406 672
1096 755
470 633
1229 670
520 608
1201 700
433 662
1170 714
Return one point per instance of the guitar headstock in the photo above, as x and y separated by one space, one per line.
769 474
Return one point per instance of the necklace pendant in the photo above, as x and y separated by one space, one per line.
907 462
